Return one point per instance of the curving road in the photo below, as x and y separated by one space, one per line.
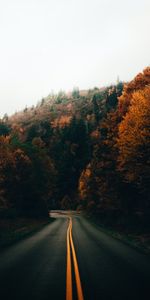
99 268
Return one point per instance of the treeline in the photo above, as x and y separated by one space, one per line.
117 178
88 150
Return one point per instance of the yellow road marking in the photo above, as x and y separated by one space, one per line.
76 269
69 272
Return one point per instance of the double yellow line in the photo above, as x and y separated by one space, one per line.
70 247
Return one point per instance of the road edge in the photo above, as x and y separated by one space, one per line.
116 235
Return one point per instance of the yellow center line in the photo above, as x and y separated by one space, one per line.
76 269
69 272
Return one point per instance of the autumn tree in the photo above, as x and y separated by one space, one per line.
134 143
138 83
99 181
87 188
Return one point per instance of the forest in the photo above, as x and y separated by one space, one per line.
87 150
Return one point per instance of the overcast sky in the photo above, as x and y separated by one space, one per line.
50 45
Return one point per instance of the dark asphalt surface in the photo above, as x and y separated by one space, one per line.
35 268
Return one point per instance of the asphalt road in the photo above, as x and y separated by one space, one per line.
36 267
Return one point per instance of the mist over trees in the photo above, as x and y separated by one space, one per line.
87 150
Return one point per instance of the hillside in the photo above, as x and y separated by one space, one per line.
86 150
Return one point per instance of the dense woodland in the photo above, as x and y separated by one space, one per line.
85 150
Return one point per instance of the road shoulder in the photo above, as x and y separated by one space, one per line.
137 242
14 230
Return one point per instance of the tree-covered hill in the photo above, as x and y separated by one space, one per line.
87 149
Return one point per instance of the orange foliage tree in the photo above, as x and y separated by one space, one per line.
99 181
138 83
134 141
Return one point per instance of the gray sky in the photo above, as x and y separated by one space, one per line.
50 45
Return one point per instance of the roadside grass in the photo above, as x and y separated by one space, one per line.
13 230
135 238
